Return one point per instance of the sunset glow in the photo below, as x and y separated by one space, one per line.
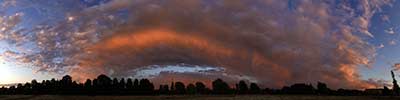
6 74
274 43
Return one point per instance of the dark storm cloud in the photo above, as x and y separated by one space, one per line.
266 40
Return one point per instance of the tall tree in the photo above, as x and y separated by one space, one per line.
396 88
122 84
172 86
115 83
136 84
129 84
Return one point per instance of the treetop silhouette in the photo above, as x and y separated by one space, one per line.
104 85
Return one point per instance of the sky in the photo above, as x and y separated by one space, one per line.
344 43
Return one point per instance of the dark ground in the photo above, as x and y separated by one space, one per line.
243 97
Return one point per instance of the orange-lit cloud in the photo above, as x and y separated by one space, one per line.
161 46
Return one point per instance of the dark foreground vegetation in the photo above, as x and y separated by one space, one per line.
195 97
104 85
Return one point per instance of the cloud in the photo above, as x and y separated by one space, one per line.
270 42
396 66
363 25
8 23
379 82
8 3
155 70
390 31
392 42
381 46
385 18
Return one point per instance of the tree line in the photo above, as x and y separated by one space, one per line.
104 85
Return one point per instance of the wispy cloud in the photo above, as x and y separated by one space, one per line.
392 42
396 66
381 46
390 31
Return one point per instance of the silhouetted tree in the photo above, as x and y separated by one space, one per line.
242 87
179 88
129 84
322 88
299 88
88 83
191 89
254 89
35 86
103 85
348 92
385 91
220 87
19 88
88 86
172 87
146 87
201 88
66 81
122 84
54 85
28 89
136 84
115 86
95 84
3 90
11 90
163 89
396 88
115 83
104 81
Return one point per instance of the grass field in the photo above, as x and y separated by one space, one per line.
244 97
